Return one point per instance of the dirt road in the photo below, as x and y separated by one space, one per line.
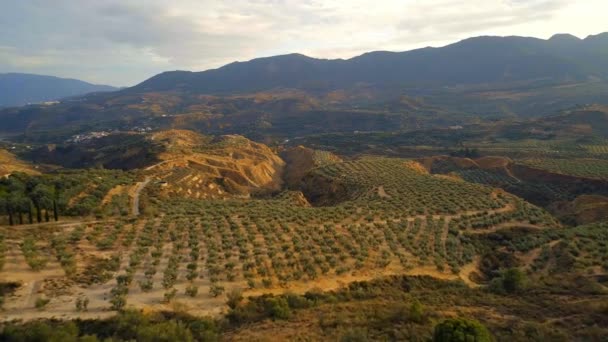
140 186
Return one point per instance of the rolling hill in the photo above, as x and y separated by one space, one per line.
21 89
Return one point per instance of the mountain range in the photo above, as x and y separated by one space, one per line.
477 60
20 89
292 95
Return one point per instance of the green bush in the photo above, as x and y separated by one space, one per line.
512 280
416 313
166 331
461 330
278 308
216 290
41 331
192 290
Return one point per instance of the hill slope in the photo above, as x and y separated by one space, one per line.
9 164
20 89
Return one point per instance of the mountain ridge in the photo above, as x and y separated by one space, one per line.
293 95
484 59
18 89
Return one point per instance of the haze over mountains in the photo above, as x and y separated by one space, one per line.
18 89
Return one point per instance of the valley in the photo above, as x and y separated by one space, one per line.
207 218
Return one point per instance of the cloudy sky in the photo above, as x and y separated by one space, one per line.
123 42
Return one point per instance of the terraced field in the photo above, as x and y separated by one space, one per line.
587 168
581 251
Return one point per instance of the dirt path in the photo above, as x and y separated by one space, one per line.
527 259
117 190
68 223
81 195
159 164
510 174
505 225
138 188
382 193
467 270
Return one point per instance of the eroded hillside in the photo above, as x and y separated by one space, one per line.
196 166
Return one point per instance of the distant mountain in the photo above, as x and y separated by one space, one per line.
478 60
21 89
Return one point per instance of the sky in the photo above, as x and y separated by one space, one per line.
124 42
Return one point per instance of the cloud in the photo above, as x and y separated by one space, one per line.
452 17
122 42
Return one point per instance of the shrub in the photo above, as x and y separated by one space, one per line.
165 331
170 294
118 302
461 330
278 308
235 297
41 303
216 290
416 312
192 290
41 331
512 280
146 285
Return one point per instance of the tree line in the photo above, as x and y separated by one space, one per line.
28 199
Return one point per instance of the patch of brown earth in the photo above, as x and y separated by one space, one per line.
117 190
493 162
382 193
416 166
9 163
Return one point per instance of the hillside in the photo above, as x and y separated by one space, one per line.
173 164
200 167
391 218
9 163
21 89
301 243
574 190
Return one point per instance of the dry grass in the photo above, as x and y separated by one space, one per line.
9 163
